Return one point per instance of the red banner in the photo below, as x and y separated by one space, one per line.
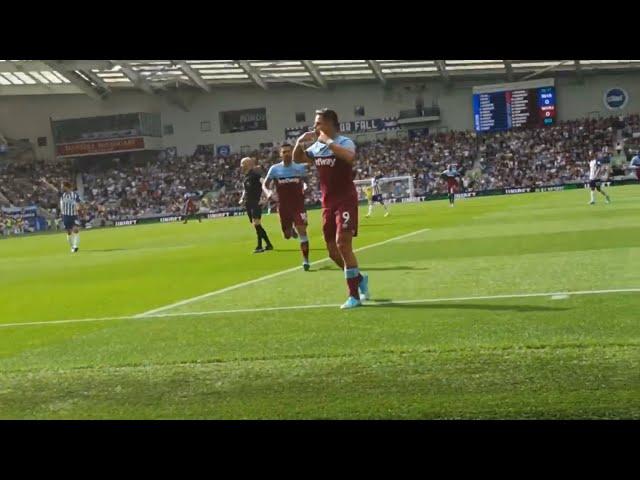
98 147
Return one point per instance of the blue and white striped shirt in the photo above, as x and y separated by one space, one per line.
68 203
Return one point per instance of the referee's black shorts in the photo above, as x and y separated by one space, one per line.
254 211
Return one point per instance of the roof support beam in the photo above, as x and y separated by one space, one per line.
290 80
173 97
77 80
72 67
253 74
375 66
315 73
509 68
170 96
86 64
28 66
442 68
550 67
40 89
96 79
192 74
134 77
578 69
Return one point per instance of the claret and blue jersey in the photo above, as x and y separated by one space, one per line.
282 174
336 176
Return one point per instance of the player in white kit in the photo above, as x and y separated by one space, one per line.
597 169
634 165
377 195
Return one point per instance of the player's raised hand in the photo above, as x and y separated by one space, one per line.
323 137
307 137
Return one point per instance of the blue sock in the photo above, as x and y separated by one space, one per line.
353 280
351 272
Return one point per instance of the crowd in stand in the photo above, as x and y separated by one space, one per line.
118 190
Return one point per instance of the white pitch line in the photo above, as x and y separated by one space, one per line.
324 305
267 277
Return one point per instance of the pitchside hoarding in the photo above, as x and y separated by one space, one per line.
116 145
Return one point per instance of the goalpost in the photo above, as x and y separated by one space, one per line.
392 188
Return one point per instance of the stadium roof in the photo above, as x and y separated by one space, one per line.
98 78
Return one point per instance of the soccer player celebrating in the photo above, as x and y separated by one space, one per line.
597 168
451 175
634 164
190 208
333 155
69 201
289 179
251 199
376 196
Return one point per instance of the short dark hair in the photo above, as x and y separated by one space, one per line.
330 115
66 184
286 144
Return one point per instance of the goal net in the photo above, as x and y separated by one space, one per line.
391 188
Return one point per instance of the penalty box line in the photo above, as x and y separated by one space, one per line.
268 277
320 306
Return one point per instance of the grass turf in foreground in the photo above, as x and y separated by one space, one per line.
547 382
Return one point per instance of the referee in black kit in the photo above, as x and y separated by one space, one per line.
251 199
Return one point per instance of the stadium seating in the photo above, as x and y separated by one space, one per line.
507 159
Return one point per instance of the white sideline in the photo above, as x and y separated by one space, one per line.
326 305
267 277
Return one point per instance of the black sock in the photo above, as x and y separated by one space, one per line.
451 198
263 232
259 236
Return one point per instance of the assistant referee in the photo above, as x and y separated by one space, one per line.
251 200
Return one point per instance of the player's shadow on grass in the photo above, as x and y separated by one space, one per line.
319 250
395 267
107 250
472 306
367 269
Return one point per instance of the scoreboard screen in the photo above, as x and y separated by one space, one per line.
512 105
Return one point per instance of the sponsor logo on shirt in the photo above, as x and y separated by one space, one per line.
325 161
288 180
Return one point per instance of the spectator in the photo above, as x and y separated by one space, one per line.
115 190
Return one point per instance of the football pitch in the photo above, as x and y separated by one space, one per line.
507 307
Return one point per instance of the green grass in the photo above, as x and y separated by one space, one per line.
521 357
